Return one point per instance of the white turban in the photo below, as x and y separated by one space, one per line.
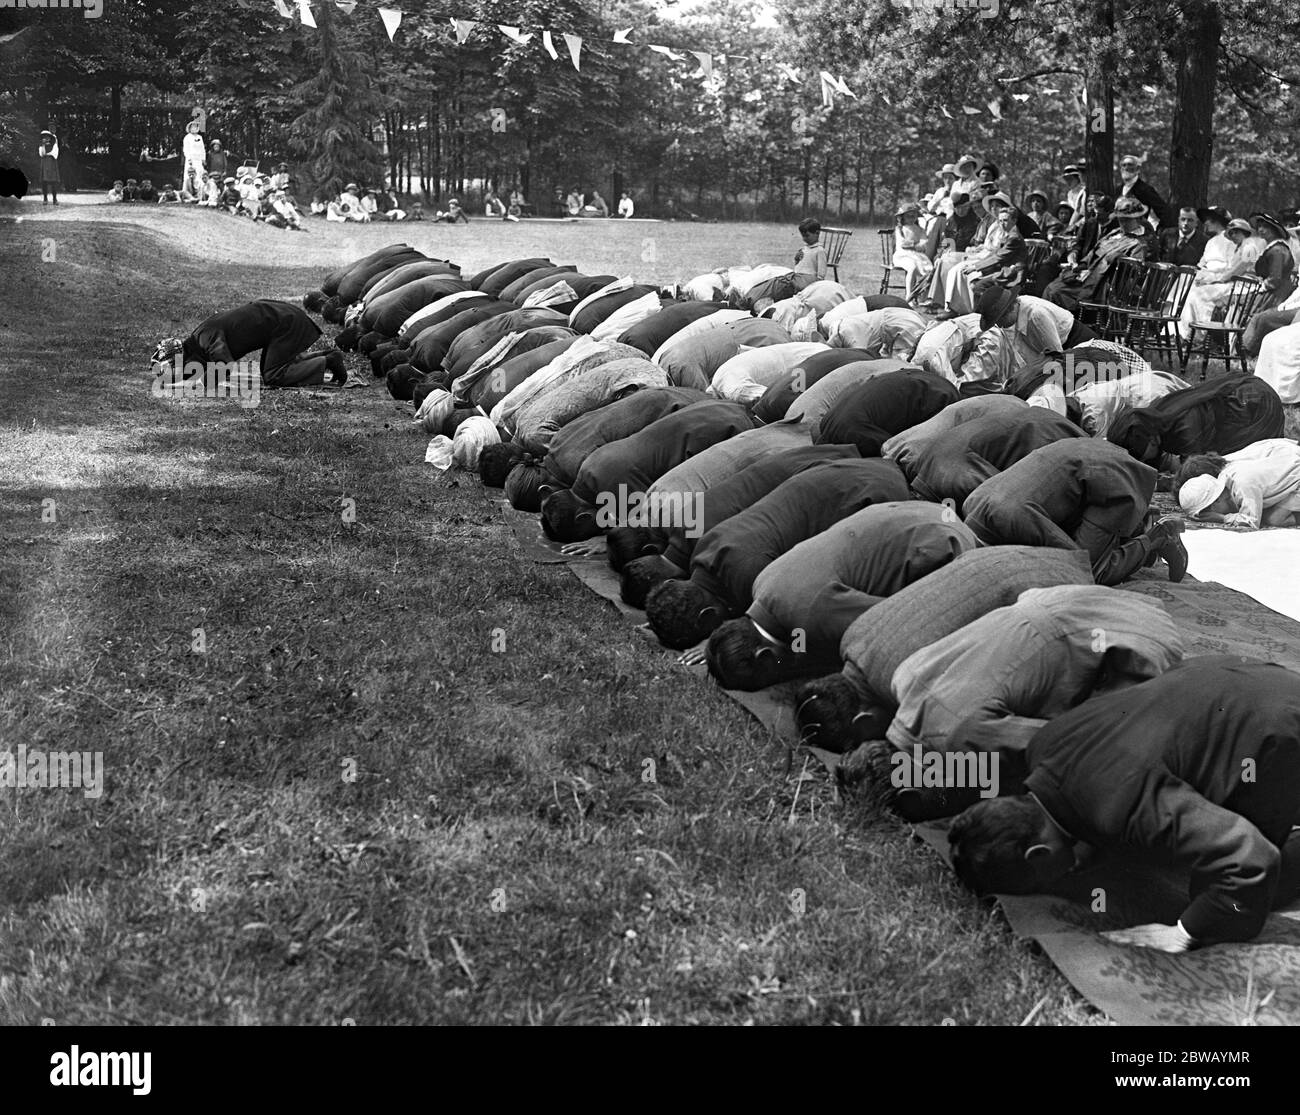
472 437
439 453
433 412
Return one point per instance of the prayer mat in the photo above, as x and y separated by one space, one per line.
1261 563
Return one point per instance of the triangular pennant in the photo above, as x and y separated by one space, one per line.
828 90
1049 92
995 110
1150 89
346 6
944 110
668 52
574 43
841 87
549 45
883 98
514 34
283 8
392 18
464 27
622 36
304 13
706 64
971 111
1021 97
790 72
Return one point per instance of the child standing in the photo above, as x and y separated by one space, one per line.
49 152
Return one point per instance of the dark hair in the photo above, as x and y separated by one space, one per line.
642 575
989 166
626 544
810 224
824 710
401 381
313 300
740 658
1198 464
496 461
566 518
989 841
681 613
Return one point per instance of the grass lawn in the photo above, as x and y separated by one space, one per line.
345 804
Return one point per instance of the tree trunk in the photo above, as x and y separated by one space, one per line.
1192 146
1099 125
116 148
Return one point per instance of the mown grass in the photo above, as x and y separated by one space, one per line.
500 855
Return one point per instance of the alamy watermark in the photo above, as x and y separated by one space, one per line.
215 379
1070 374
946 770
91 9
653 510
53 770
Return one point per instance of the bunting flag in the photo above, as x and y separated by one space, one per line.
828 90
514 34
304 13
392 19
283 8
995 110
668 52
346 6
883 98
574 43
1049 91
706 64
944 110
1022 97
971 111
549 45
464 28
789 72
622 37
1150 89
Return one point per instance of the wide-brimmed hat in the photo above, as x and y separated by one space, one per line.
999 196
1213 212
1269 219
990 167
1240 224
1072 168
1130 209
947 168
228 179
350 187
992 304
1200 491
960 197
282 166
971 159
907 207
47 132
1036 193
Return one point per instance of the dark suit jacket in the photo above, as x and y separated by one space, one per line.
1187 256
1147 195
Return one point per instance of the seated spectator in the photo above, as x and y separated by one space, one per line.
1076 197
597 205
1275 265
230 198
118 191
1000 258
625 206
517 203
417 210
1060 221
284 213
280 179
1157 769
454 213
168 195
147 192
1086 281
810 260
1224 257
1036 211
319 204
1253 487
573 203
1185 244
369 206
131 191
912 253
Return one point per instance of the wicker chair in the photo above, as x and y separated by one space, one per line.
1217 338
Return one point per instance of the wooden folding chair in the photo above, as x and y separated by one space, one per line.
1208 337
887 259
835 240
1152 324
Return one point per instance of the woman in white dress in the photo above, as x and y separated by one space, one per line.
910 245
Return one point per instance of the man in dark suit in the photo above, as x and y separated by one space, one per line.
1086 281
1131 184
1185 244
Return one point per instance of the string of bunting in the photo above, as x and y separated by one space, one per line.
828 85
